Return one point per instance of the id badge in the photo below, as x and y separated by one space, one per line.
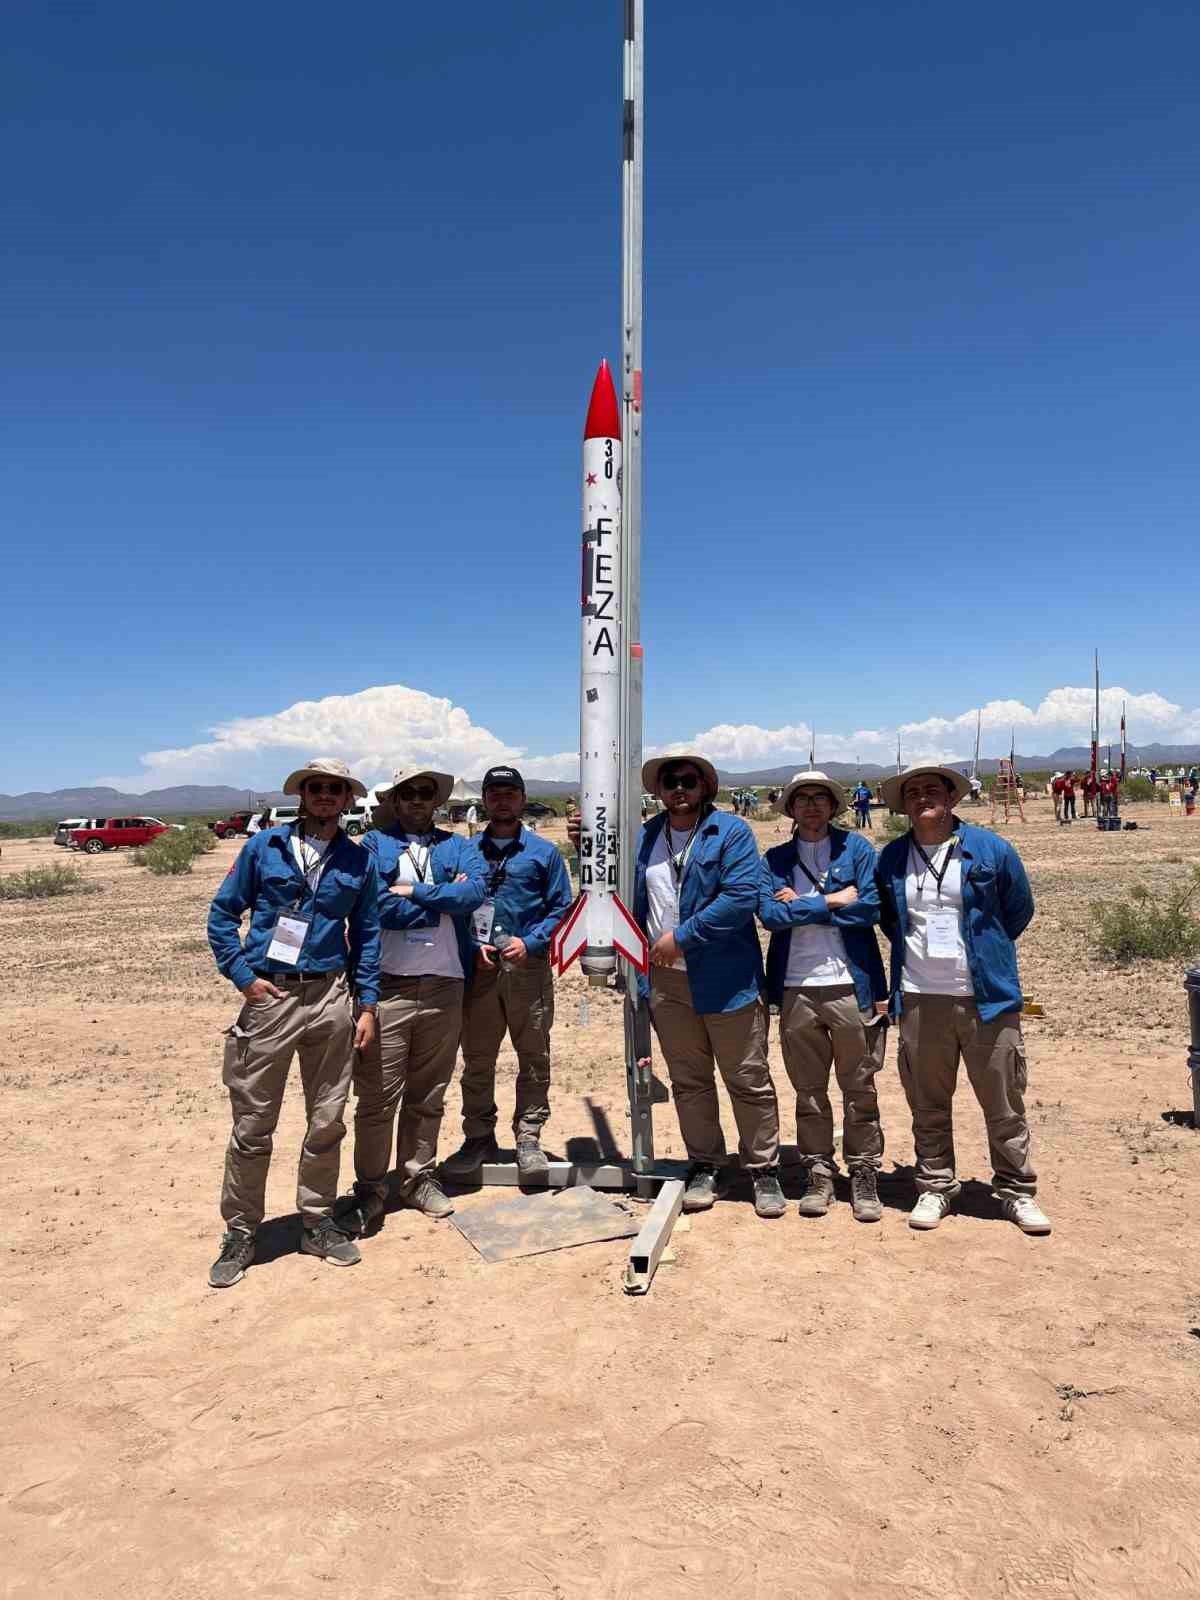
941 934
482 921
287 937
419 936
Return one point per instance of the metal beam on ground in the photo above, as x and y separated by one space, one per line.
646 1250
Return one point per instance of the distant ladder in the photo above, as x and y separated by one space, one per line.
1006 792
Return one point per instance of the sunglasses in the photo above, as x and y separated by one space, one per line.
315 786
409 792
681 780
810 799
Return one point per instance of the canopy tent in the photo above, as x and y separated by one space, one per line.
463 794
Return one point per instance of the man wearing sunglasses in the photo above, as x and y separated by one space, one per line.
527 894
817 896
695 894
429 885
312 896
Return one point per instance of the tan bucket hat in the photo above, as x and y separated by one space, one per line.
323 767
894 787
819 780
443 780
653 767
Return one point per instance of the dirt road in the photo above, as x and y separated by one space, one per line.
798 1408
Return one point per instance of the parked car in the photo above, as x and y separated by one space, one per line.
281 814
226 827
111 833
64 830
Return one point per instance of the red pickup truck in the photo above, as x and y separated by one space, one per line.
110 833
227 827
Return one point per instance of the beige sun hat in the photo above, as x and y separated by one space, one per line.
820 780
323 767
893 788
443 780
653 767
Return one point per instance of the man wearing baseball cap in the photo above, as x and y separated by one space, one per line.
527 892
954 899
695 894
312 948
430 882
817 896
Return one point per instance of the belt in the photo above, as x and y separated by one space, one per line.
301 977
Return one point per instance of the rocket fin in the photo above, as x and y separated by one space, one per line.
628 938
569 939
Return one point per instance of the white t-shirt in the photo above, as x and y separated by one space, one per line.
816 955
662 885
420 952
935 920
309 854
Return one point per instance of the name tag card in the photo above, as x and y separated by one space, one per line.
287 938
941 934
483 920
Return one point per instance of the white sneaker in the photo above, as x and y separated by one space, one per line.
1024 1210
928 1211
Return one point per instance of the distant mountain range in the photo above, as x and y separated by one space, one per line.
187 798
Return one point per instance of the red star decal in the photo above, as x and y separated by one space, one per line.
591 479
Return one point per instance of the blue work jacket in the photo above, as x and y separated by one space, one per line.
451 854
531 888
997 908
717 900
851 861
265 880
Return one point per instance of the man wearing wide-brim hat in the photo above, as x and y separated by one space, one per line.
954 899
312 948
429 885
817 897
695 893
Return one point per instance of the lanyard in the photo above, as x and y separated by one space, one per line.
938 877
498 860
817 883
310 882
679 862
425 842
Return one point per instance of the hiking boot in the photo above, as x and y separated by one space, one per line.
928 1211
357 1212
328 1241
467 1160
818 1197
864 1194
1024 1210
531 1158
427 1195
768 1196
237 1252
703 1187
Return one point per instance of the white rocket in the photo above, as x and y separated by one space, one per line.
598 927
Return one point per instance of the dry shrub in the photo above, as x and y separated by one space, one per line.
45 883
1148 926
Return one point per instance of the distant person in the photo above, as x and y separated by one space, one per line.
954 899
1091 788
1153 774
311 950
1110 792
527 892
472 819
430 884
976 791
1056 790
862 805
695 894
1068 797
817 896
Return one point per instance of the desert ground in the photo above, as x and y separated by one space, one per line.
798 1408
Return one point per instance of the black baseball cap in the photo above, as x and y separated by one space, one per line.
498 775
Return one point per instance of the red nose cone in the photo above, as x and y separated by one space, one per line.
603 417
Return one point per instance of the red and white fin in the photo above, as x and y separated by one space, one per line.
569 939
628 939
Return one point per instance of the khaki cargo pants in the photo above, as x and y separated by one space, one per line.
400 1082
694 1044
820 1027
315 1021
520 1001
935 1031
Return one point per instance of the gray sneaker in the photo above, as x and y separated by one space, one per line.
864 1195
329 1242
237 1252
704 1186
467 1160
427 1195
818 1197
768 1196
358 1212
531 1158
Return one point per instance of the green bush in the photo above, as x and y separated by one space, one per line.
44 883
26 830
895 824
1160 927
167 856
1139 789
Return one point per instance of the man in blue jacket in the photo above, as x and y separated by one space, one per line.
695 894
313 897
429 884
527 892
817 897
954 899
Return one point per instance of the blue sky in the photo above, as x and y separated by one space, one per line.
300 317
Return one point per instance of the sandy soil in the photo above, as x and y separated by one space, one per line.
797 1408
